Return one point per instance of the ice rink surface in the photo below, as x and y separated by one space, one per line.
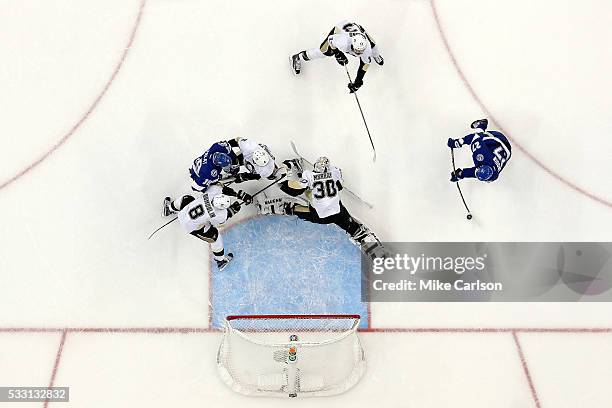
106 103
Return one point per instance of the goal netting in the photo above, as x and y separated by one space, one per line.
291 355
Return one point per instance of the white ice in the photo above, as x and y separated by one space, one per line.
73 248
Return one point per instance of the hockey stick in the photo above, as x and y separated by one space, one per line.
227 181
362 117
267 187
241 202
154 232
370 206
469 214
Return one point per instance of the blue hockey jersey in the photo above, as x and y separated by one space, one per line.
490 148
203 171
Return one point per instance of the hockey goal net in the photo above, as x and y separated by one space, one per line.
291 355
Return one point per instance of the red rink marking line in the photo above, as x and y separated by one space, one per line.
111 330
488 113
198 330
89 111
519 349
58 357
562 330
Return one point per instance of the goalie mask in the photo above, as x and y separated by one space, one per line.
221 202
359 43
321 165
261 157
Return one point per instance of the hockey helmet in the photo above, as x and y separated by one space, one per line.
221 202
261 157
484 172
359 43
221 159
321 165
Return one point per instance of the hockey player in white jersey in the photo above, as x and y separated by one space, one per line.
322 186
345 38
202 215
258 160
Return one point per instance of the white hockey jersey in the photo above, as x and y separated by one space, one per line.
342 41
200 213
324 193
247 147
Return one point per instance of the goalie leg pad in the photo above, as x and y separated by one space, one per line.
274 205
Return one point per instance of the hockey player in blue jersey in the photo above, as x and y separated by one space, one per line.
208 168
491 151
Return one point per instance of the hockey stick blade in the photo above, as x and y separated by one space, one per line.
297 153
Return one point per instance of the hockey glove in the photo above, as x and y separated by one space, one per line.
456 175
239 178
294 164
242 177
234 208
228 191
245 197
233 169
453 144
379 60
341 58
354 86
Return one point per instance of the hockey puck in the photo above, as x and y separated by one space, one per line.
469 216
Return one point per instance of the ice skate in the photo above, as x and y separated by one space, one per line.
222 264
167 207
296 64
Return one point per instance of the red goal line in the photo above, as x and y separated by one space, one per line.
197 330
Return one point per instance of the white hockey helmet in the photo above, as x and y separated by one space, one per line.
359 43
321 165
221 201
261 157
